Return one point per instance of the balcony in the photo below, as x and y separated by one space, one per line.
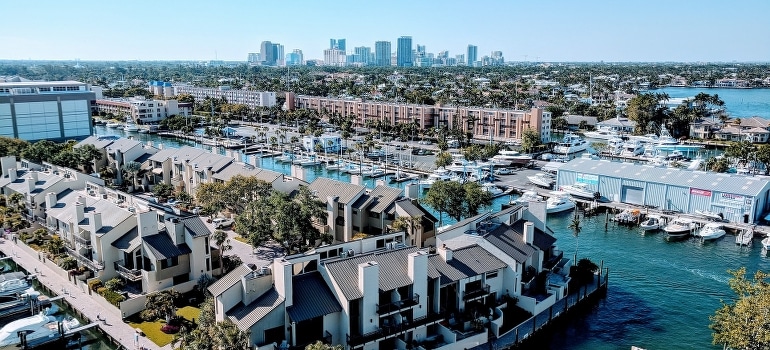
82 240
398 305
94 266
380 333
475 293
132 275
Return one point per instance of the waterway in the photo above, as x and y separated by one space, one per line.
739 103
661 293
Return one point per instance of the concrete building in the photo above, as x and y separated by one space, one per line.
141 110
404 52
328 143
382 53
252 99
473 55
363 55
253 58
55 110
494 124
334 57
268 53
740 199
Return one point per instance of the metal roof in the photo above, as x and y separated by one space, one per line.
345 192
44 181
129 241
737 184
510 242
124 145
438 268
162 247
228 280
245 316
393 271
112 215
476 260
311 298
97 141
163 154
541 239
383 197
215 161
195 226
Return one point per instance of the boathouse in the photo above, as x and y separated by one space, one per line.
741 199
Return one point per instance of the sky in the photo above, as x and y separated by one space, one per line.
540 30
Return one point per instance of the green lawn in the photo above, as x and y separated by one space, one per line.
152 329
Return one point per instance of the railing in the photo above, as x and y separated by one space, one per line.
90 264
558 254
80 239
130 274
398 305
476 293
392 331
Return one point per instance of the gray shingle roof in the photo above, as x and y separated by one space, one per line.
112 215
100 142
737 184
541 240
510 242
311 298
238 168
124 145
383 197
215 161
163 154
196 227
245 316
393 271
345 192
231 278
163 247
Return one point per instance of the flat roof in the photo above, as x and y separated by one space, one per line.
40 83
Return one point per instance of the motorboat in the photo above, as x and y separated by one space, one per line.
285 158
651 223
306 161
679 227
627 216
710 215
580 189
402 176
374 172
766 243
615 145
437 175
356 169
601 134
559 202
632 149
24 303
338 165
511 158
492 189
13 286
665 138
114 125
144 130
712 230
588 155
526 197
34 327
542 180
130 127
571 143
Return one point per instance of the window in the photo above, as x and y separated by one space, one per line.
208 264
170 262
208 248
340 206
374 215
492 274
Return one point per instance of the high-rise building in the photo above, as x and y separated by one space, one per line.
253 58
334 57
460 59
267 53
279 58
382 53
404 52
295 58
473 55
497 58
338 44
362 54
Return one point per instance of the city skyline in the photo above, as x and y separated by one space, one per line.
686 31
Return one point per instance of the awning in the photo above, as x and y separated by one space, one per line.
157 171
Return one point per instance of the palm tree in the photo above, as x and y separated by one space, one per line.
409 224
223 244
132 169
574 225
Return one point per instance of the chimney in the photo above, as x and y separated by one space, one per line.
445 252
50 200
417 265
12 175
147 223
209 173
369 285
356 179
96 221
33 175
31 182
6 164
160 146
529 232
80 208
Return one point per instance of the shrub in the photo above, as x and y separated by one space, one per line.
147 315
100 290
68 263
94 285
115 284
112 297
169 329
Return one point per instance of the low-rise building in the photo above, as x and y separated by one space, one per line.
141 110
250 98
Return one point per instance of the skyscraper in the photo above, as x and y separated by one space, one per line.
362 54
404 52
267 53
338 44
382 53
473 55
279 58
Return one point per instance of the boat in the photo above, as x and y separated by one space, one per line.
492 189
338 165
437 175
114 125
511 158
632 149
374 172
627 216
766 243
542 180
15 305
603 133
615 145
130 127
712 230
651 223
710 215
571 143
13 286
285 158
559 202
679 227
401 177
35 327
144 130
580 189
526 197
665 138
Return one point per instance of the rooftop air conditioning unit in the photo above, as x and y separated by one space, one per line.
104 196
264 270
67 176
344 255
132 209
92 193
351 252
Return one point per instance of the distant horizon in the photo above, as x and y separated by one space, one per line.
246 62
547 31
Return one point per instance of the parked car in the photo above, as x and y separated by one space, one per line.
424 142
222 222
503 171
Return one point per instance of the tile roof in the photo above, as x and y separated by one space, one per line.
228 280
383 197
510 242
393 271
345 192
162 247
245 316
195 226
311 298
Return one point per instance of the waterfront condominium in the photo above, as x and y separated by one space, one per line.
382 53
404 52
45 110
473 55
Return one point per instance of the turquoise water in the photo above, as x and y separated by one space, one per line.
739 103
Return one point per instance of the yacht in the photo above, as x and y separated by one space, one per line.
558 203
130 127
651 223
603 133
571 143
35 327
13 286
712 230
615 145
492 189
679 228
114 125
437 175
526 197
542 180
511 158
374 172
285 158
580 189
632 149
338 165
665 138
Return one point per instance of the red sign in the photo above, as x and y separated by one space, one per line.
696 191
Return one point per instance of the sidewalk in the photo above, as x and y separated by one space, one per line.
79 299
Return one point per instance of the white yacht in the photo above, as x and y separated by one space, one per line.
437 175
603 133
558 203
665 138
651 223
580 189
615 145
542 180
511 158
571 143
632 149
338 165
712 230
130 127
374 172
13 286
35 327
492 189
526 197
679 228
114 125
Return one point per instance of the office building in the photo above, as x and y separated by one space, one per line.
473 55
382 53
268 53
279 57
460 59
404 52
362 55
295 58
334 57
253 58
51 110
338 44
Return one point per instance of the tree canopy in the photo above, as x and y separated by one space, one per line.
744 322
457 200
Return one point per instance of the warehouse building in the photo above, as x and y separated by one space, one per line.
740 199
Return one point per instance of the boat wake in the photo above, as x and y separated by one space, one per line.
721 278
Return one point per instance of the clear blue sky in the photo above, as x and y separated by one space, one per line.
551 30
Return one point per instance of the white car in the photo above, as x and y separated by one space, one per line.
222 222
503 171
